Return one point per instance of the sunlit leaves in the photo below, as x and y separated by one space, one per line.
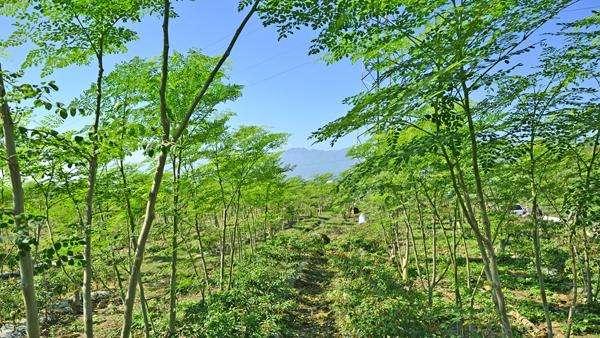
65 252
67 32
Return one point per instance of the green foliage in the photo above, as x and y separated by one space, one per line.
63 252
587 320
369 299
458 131
74 31
262 301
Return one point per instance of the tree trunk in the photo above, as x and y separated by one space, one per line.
130 217
158 175
133 246
222 250
483 242
113 262
573 250
89 205
396 247
233 239
252 231
572 237
412 243
202 258
267 212
587 271
536 233
25 263
493 269
429 279
457 296
165 146
141 244
405 257
174 241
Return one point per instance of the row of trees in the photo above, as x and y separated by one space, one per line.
78 200
461 130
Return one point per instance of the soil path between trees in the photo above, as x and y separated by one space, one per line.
315 318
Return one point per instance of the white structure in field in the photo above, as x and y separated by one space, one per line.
521 211
362 218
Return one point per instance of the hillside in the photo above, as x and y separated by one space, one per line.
308 163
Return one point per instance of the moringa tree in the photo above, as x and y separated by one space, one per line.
74 32
576 139
432 60
168 139
26 97
236 159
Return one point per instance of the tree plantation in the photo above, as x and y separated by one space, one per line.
142 207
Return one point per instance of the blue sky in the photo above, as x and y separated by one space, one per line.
285 89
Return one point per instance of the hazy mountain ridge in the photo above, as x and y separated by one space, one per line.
308 163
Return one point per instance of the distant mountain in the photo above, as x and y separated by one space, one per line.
309 163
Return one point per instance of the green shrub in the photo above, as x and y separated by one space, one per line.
262 300
368 299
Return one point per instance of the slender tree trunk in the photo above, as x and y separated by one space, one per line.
429 278
396 247
267 212
573 250
457 296
412 239
467 259
252 231
133 246
117 275
405 258
20 222
587 271
142 239
233 239
493 269
174 241
538 267
144 305
572 236
165 146
466 205
536 233
222 250
128 208
158 175
89 204
597 284
202 258
241 241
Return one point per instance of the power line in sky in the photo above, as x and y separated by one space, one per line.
582 9
282 72
266 60
228 37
